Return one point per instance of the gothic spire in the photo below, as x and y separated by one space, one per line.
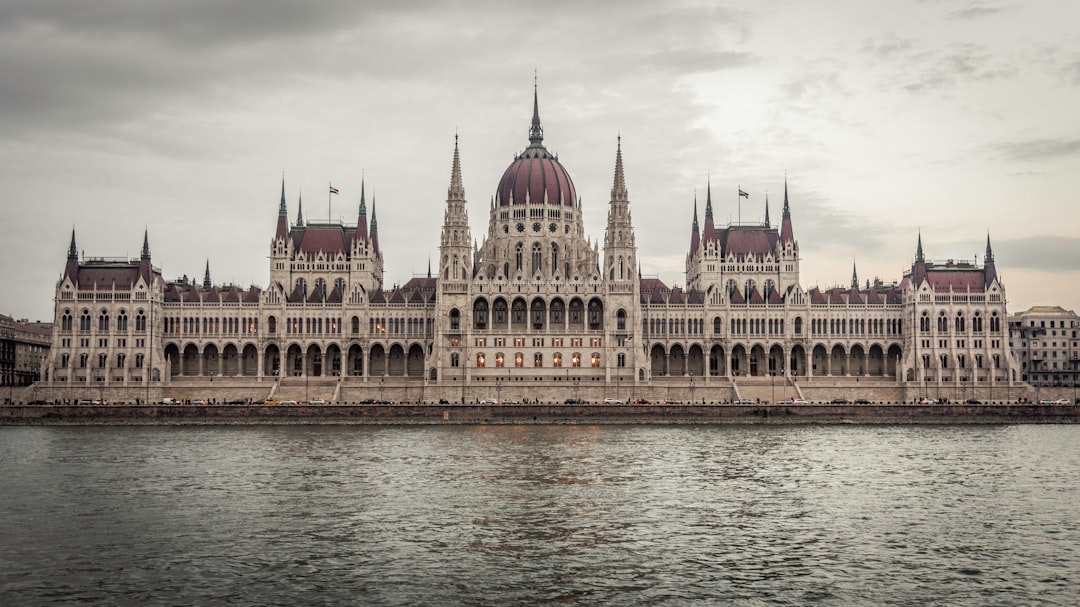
361 220
766 209
919 257
854 276
695 235
536 132
146 245
989 257
73 253
206 277
374 230
300 211
710 227
618 189
786 232
457 189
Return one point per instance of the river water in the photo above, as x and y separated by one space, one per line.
529 515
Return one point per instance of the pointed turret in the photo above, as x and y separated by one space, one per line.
919 257
786 233
695 235
989 269
618 189
145 271
374 231
145 256
71 270
300 211
854 276
361 220
767 210
918 269
456 191
283 219
206 277
710 228
536 132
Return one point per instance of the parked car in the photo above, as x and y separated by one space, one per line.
613 401
443 401
798 401
973 401
928 401
168 401
744 401
288 402
198 401
862 401
86 401
271 401
1062 401
642 401
489 401
839 401
318 401
573 401
1046 401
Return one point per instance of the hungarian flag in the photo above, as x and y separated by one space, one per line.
743 194
333 190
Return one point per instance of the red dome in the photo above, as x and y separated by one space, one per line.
532 175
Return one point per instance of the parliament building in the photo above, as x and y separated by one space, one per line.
533 310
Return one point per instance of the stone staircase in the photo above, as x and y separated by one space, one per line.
303 389
766 389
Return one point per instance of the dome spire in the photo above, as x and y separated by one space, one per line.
536 132
618 190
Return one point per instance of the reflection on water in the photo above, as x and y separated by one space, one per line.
500 515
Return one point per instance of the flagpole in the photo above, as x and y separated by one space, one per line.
738 195
329 193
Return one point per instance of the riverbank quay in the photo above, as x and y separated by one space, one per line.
598 414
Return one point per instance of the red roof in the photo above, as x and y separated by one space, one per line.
536 176
746 241
330 239
962 281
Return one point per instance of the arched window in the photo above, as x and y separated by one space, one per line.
575 359
556 359
594 360
271 325
538 314
456 270
455 320
620 320
140 321
65 321
960 325
339 284
84 321
519 360
355 325
518 312
621 269
554 257
537 259
538 360
499 311
596 315
798 325
301 284
103 321
480 314
481 360
500 360
517 257
942 324
717 325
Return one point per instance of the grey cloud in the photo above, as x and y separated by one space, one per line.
1071 73
975 11
961 63
1040 149
887 48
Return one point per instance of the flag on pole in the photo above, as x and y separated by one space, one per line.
743 194
333 190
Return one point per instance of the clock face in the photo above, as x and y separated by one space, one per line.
552 227
520 227
536 227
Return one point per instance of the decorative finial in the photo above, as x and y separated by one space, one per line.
536 132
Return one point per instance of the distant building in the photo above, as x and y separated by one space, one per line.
535 304
1044 339
24 346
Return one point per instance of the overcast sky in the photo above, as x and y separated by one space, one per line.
958 118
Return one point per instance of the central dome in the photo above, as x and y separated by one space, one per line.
536 175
